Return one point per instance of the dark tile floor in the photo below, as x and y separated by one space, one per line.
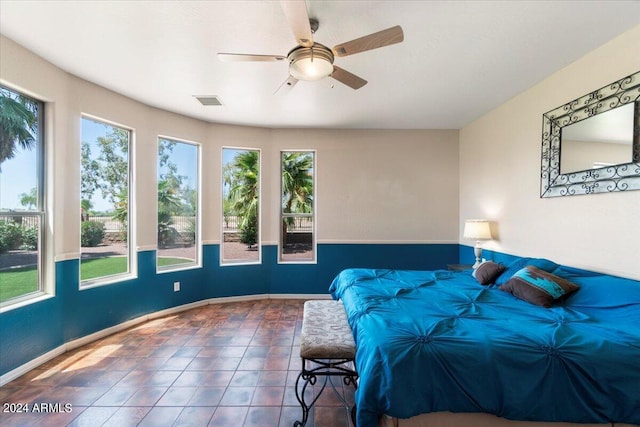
232 364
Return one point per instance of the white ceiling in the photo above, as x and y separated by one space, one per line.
459 59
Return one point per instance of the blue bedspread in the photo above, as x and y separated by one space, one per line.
431 341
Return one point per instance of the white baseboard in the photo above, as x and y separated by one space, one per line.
71 345
299 296
32 364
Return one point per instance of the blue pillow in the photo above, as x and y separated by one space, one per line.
605 291
572 272
520 263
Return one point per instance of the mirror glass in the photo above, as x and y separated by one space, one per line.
599 141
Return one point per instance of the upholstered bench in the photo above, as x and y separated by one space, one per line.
327 349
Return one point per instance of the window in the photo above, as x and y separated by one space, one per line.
297 214
241 206
178 219
22 209
105 194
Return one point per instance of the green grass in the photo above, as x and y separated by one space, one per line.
21 281
17 282
100 267
165 261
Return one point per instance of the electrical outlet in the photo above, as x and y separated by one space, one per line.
176 286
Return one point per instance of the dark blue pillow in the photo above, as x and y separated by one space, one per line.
520 263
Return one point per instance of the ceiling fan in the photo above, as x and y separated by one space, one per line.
313 61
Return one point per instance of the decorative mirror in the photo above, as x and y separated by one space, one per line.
592 144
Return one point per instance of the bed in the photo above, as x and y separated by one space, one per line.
439 341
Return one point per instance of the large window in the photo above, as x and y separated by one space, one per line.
297 214
241 206
105 193
178 219
22 210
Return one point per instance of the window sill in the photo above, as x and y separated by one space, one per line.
24 301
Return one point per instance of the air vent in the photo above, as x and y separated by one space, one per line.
209 100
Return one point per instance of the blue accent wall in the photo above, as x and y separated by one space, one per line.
467 257
29 332
33 330
333 258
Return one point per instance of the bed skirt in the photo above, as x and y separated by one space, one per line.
449 419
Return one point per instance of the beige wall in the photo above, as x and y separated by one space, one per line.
500 175
382 186
373 186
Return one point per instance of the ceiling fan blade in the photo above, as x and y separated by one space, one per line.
382 38
241 57
347 78
286 86
296 13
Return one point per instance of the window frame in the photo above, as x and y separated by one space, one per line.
45 288
236 262
132 260
282 215
198 237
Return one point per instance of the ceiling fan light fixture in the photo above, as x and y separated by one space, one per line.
311 69
311 63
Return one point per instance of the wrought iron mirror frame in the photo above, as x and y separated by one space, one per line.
621 177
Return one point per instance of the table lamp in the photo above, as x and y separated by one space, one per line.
477 229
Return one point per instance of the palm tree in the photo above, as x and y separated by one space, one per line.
297 186
29 200
243 180
121 211
18 124
168 198
169 203
85 209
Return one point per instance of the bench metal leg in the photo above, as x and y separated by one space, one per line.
326 368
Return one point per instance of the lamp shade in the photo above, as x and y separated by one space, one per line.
477 229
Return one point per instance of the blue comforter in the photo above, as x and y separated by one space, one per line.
431 341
